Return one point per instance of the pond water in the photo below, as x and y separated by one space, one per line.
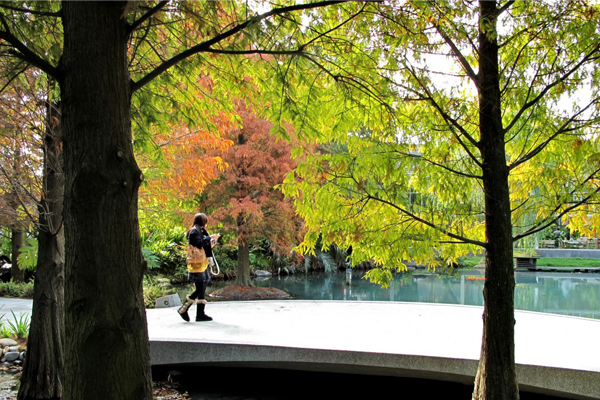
575 294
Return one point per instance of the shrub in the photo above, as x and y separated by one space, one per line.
14 289
165 251
5 331
20 326
153 289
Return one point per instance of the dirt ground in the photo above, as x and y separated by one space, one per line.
9 381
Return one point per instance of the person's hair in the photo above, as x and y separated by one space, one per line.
200 220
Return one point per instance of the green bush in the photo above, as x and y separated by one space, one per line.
17 328
20 326
165 251
226 256
153 289
469 261
5 244
16 289
5 331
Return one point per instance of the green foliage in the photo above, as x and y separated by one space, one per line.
5 245
165 250
399 174
153 289
151 259
5 331
329 259
28 255
260 260
380 276
263 256
469 261
226 255
14 289
19 327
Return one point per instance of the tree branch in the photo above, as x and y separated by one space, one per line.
147 16
505 7
442 166
206 45
452 123
24 53
461 58
28 11
562 78
12 78
552 221
563 128
431 225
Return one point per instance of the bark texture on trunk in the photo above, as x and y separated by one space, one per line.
17 241
106 333
242 277
496 376
43 367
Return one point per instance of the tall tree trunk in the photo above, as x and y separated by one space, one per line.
17 241
17 231
496 376
106 334
242 277
43 367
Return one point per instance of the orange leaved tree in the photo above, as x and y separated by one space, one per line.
244 198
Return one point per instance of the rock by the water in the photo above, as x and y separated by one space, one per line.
261 273
12 356
7 342
14 348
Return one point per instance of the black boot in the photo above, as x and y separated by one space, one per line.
183 310
200 316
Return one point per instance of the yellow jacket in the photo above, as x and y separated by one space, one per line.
197 267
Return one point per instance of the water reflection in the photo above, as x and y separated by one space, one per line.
576 294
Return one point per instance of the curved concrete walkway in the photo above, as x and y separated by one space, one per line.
555 355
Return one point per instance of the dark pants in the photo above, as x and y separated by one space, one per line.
200 290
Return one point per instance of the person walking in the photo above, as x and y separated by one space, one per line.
200 245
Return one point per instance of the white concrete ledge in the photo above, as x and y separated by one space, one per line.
431 341
556 355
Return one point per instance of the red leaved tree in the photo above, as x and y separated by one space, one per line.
245 200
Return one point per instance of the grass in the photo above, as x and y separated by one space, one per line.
17 328
469 262
20 326
569 262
